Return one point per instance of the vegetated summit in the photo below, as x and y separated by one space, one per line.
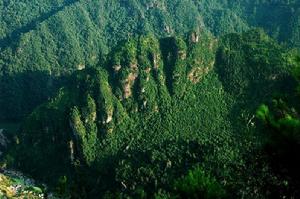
43 41
155 110
152 99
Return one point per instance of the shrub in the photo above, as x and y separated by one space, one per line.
199 184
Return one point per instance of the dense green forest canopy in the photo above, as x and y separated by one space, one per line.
42 41
150 98
156 110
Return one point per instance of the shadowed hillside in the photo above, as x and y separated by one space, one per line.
59 37
14 37
156 111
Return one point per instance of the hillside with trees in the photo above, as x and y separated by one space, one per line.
42 42
149 99
158 110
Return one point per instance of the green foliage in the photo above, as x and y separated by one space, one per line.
245 61
282 130
133 116
62 187
283 120
26 188
42 42
199 184
145 118
279 115
263 112
85 136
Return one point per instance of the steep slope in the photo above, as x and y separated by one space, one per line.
68 36
280 19
44 41
142 77
157 109
282 129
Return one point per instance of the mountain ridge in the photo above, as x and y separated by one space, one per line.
127 110
81 36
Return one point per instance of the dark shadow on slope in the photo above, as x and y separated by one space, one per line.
13 39
21 93
110 167
249 88
168 51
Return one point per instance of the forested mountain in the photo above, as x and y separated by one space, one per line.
150 98
155 110
44 41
